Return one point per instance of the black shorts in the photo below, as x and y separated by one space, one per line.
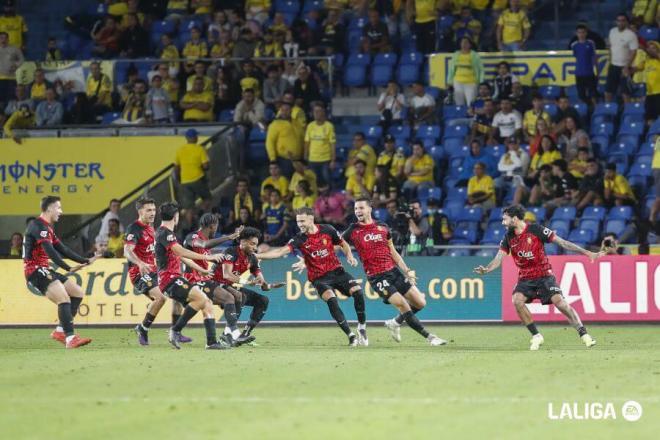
540 288
194 190
252 298
178 290
208 287
41 278
388 283
145 283
337 279
613 82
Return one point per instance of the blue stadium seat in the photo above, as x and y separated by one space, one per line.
187 24
606 108
601 119
628 139
380 214
551 249
493 235
355 76
437 152
585 236
407 74
644 158
287 6
550 92
434 91
633 108
641 169
358 59
572 93
456 131
411 58
434 193
109 117
454 112
615 226
399 131
163 27
592 225
257 135
649 33
452 146
562 224
601 144
312 5
603 129
495 215
594 213
464 234
539 212
457 194
581 108
471 215
496 151
485 253
380 75
226 115
630 119
550 108
655 127
625 148
385 59
620 213
634 128
646 149
564 213
428 132
458 252
637 182
372 131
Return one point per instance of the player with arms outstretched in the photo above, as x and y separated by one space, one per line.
139 251
169 254
317 244
525 242
40 245
384 266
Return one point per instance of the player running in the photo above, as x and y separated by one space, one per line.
535 279
239 260
139 251
169 254
39 245
316 243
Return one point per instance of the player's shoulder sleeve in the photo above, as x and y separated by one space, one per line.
383 226
348 233
190 239
166 238
296 242
230 255
332 232
544 234
133 233
39 232
505 244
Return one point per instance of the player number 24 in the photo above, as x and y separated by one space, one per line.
381 285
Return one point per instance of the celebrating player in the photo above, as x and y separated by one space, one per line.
325 272
383 266
237 261
139 251
168 259
535 279
40 244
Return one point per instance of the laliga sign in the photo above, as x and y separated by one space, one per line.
625 288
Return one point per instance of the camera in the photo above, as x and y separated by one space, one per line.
608 242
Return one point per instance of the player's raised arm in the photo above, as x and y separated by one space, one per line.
346 249
400 263
273 254
570 246
185 253
69 253
213 242
54 256
494 264
194 266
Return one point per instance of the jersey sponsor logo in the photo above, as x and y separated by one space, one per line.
320 254
44 234
373 237
130 237
529 255
151 248
171 237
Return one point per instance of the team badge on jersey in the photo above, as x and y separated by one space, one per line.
529 240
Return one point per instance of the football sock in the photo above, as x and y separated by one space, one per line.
414 323
209 326
175 318
75 304
230 316
147 321
358 302
533 330
338 315
187 315
581 331
66 319
399 319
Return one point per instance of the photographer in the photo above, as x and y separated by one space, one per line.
610 245
440 228
418 228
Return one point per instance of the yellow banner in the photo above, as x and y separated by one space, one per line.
532 68
85 172
109 297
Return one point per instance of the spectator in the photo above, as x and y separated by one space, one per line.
651 68
21 118
53 53
566 190
422 106
320 146
483 95
623 43
375 36
547 154
134 40
564 110
330 207
218 25
385 187
361 151
50 111
225 98
11 58
289 74
244 46
616 189
106 39
591 35
301 172
276 180
465 72
467 26
544 189
16 245
243 198
392 158
584 51
115 239
655 165
20 99
360 183
482 123
331 35
282 140
440 231
418 171
610 245
298 116
578 166
135 108
190 167
392 214
170 53
199 70
520 99
542 129
513 28
169 83
572 138
513 165
223 46
257 10
477 154
304 197
419 229
99 89
424 13
278 26
532 116
158 107
251 77
194 49
590 191
245 220
274 86
111 214
197 104
391 103
250 110
306 88
507 122
268 47
481 188
504 81
201 7
14 25
39 86
276 221
82 111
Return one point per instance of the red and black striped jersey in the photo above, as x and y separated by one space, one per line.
168 263
34 255
372 244
239 262
528 252
318 250
142 236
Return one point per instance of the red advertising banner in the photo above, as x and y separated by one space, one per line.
616 288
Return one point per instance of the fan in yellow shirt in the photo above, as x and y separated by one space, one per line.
276 180
616 189
301 172
513 28
361 151
282 139
14 25
547 154
200 72
532 116
418 170
195 48
320 138
360 183
481 188
99 86
169 53
304 197
197 104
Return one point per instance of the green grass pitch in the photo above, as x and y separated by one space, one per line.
304 383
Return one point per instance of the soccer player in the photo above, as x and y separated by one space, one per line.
198 242
238 260
384 266
169 254
317 244
41 244
535 279
139 251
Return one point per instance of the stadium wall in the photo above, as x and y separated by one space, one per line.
622 288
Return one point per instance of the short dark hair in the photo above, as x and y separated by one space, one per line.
515 211
583 149
248 233
243 179
114 200
561 164
269 187
208 219
367 200
360 161
113 220
139 203
505 64
305 211
248 91
168 210
413 201
545 167
581 27
276 191
360 134
47 201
